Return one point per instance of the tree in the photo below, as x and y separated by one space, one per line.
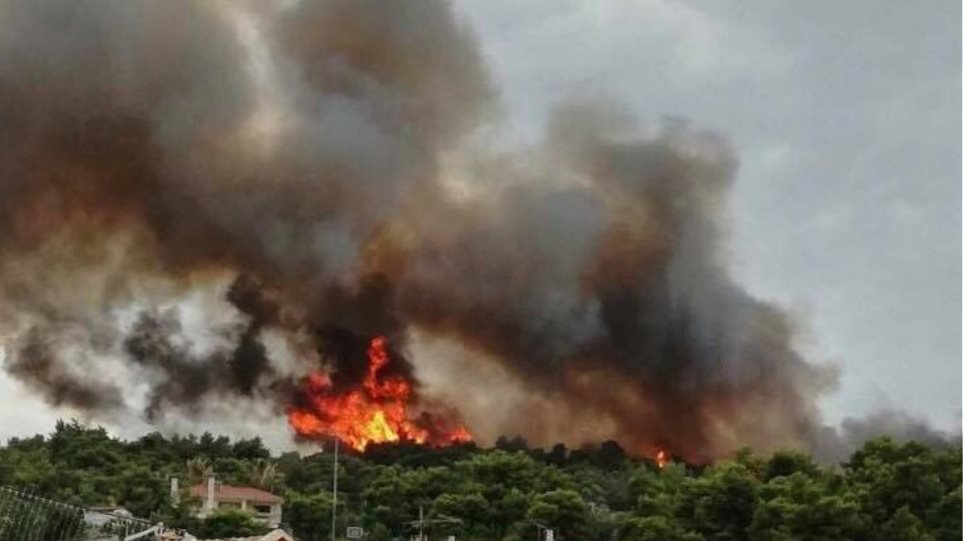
250 449
655 528
656 492
309 516
142 490
944 519
379 532
473 510
391 498
720 504
887 491
511 445
231 523
558 455
509 511
213 447
785 463
609 456
263 473
904 526
888 477
564 511
198 469
501 468
800 508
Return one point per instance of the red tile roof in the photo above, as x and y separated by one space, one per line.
224 492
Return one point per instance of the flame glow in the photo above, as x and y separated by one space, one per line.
376 412
661 459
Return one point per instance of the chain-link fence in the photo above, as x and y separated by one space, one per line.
25 516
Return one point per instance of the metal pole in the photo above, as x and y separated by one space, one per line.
334 499
421 523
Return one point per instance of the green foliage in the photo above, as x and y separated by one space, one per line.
564 511
655 528
785 463
802 508
230 523
310 515
720 504
886 491
379 532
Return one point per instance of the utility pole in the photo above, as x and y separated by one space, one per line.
421 523
549 533
334 493
441 519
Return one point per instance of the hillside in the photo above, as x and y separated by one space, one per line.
885 491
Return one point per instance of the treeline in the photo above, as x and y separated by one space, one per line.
885 492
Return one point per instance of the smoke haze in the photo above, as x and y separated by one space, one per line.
305 177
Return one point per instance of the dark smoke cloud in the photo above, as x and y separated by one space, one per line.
148 150
39 363
318 163
613 293
182 377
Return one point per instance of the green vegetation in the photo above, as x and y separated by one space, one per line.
885 492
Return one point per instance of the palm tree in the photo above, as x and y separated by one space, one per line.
198 470
264 474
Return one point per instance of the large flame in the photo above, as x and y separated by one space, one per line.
376 412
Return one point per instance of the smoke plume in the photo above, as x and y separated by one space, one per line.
317 165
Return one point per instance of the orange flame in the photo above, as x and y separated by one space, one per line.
377 412
661 459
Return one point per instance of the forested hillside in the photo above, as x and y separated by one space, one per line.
886 491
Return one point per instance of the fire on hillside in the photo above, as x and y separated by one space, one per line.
376 411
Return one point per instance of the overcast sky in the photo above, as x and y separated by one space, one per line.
845 117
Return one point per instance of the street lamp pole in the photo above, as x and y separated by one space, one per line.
334 493
421 523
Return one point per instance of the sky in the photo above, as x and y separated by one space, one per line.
846 207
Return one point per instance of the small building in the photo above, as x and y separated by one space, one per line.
261 504
276 535
98 516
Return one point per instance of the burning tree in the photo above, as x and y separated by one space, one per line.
375 411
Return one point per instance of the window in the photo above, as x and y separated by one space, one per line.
262 508
228 505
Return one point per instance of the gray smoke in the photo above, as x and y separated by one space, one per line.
318 164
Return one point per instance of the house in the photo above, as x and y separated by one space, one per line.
264 506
